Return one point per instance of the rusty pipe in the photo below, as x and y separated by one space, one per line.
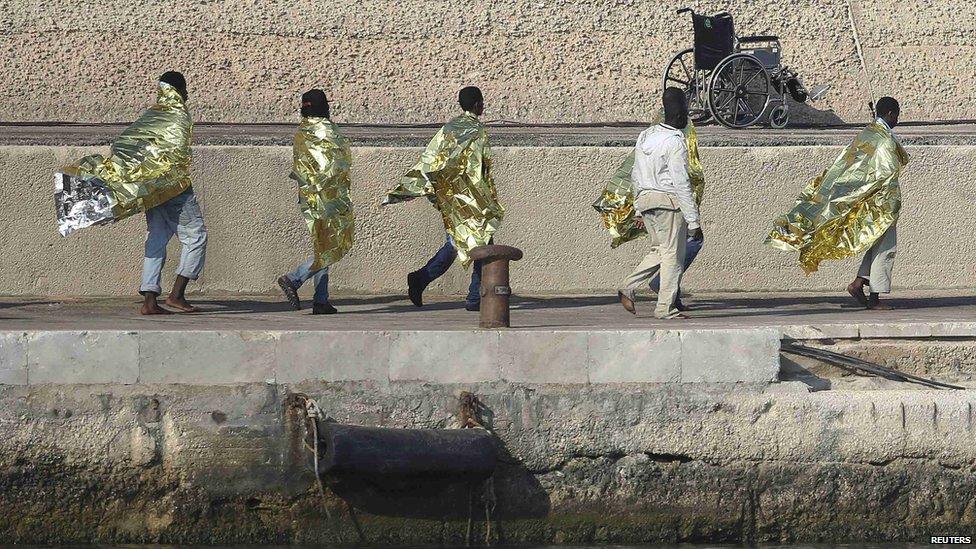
495 289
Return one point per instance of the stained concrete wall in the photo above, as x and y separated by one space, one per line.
256 232
624 463
402 61
384 357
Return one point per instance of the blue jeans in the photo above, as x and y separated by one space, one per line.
442 261
181 216
691 252
304 272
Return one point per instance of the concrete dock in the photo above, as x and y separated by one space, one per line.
730 338
609 427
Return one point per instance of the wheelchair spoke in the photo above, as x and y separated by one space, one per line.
678 80
727 103
685 67
747 107
739 91
754 75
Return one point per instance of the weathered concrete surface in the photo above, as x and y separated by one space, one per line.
202 357
503 133
404 61
256 232
796 315
945 359
626 463
196 437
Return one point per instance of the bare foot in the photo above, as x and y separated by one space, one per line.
180 304
153 309
857 292
627 302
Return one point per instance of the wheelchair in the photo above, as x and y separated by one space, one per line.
735 80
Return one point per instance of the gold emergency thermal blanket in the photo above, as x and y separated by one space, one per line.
148 165
616 204
850 205
322 160
454 172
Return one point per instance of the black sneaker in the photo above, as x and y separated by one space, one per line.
323 309
472 306
290 291
414 290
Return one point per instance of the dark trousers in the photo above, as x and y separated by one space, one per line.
441 262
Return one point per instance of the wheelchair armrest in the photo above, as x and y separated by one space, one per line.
760 38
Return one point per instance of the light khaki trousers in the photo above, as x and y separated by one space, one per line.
667 232
879 261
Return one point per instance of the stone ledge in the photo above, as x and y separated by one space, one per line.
206 357
881 330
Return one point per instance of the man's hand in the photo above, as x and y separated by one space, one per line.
696 234
639 223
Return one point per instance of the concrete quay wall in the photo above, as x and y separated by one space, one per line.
172 463
395 62
256 231
462 356
629 436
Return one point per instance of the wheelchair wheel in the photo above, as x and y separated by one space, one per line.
680 73
739 91
779 117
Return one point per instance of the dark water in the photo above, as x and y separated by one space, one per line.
663 546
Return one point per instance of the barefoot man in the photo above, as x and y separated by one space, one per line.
664 206
454 172
147 171
321 162
616 204
852 207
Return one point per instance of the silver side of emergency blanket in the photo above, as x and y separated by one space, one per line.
81 203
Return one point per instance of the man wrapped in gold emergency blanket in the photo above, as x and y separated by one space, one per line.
149 165
321 167
844 210
616 204
454 172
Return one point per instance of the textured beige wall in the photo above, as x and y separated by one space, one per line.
256 232
402 60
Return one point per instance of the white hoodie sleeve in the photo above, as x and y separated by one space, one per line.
678 166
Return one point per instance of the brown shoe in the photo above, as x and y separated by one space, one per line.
627 302
857 292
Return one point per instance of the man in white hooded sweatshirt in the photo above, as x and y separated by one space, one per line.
663 200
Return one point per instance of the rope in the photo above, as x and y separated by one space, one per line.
490 503
467 536
312 415
469 417
860 55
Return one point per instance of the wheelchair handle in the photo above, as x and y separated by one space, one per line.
686 10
